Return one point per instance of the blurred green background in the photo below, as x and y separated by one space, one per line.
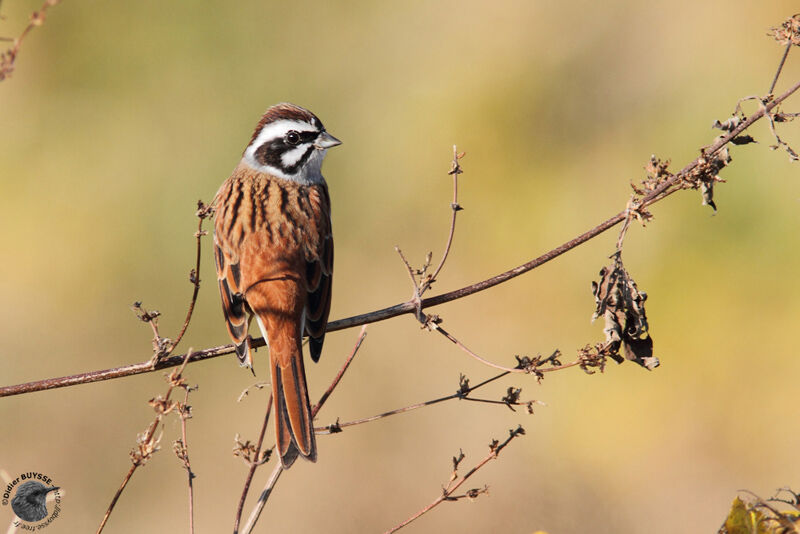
121 115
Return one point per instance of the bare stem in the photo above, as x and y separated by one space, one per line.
456 482
8 57
263 498
148 444
116 498
194 276
780 67
462 394
253 466
363 334
664 190
184 455
455 170
276 472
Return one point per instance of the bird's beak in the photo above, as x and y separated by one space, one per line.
325 141
54 488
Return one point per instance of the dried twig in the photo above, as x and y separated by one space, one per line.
455 481
511 399
780 68
203 212
361 336
263 498
163 347
276 472
147 441
181 448
8 57
455 207
667 188
254 463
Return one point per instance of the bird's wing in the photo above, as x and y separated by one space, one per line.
234 307
319 273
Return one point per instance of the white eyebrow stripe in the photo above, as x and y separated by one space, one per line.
276 130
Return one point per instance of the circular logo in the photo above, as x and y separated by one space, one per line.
28 495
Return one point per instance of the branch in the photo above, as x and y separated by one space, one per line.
8 57
255 461
181 448
455 207
276 471
666 188
456 482
338 378
262 499
511 399
147 442
203 212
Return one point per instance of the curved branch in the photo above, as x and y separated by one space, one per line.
664 190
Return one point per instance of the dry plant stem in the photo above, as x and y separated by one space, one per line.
276 472
195 278
186 463
626 223
457 482
8 57
253 466
664 190
463 347
315 410
459 395
148 437
455 208
116 498
780 67
262 499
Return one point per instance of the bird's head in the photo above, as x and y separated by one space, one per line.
289 142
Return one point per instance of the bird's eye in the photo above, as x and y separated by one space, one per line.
292 137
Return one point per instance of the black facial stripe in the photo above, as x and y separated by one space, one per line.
270 152
307 137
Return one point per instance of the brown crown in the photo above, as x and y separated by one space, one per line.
285 111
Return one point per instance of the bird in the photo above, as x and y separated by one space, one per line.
29 502
274 258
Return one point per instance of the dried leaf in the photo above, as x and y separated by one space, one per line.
621 305
706 174
728 125
743 140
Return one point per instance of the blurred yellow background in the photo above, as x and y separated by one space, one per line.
121 115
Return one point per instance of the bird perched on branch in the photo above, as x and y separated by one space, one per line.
274 258
30 501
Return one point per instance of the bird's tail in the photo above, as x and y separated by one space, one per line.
294 426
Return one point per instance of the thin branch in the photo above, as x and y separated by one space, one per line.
455 170
533 366
276 472
410 271
462 394
263 498
8 57
253 466
456 482
361 336
664 190
780 67
182 451
147 442
203 212
116 497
